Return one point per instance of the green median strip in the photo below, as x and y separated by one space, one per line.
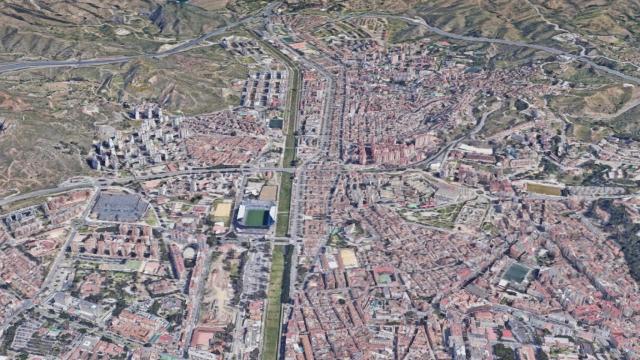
284 204
289 156
281 257
273 318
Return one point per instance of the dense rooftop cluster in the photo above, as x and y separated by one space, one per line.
377 190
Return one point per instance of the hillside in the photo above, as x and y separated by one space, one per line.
58 109
55 29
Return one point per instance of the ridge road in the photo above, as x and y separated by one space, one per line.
190 44
38 64
551 50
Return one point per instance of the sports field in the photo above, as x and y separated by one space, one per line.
516 273
256 218
544 189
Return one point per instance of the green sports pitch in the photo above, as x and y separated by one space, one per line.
256 218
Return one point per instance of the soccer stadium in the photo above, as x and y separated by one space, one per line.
255 216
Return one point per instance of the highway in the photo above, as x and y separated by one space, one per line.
40 64
124 180
242 170
188 45
105 181
328 104
294 236
43 192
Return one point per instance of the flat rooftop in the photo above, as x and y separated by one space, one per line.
119 207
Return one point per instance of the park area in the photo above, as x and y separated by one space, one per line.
544 189
273 317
